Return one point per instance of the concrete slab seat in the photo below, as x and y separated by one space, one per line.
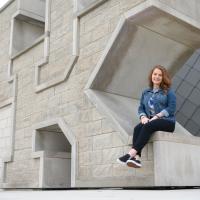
176 159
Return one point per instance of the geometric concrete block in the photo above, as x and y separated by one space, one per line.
176 160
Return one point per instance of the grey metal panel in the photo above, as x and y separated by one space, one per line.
191 61
188 94
196 116
183 71
193 77
195 96
179 100
197 64
185 89
182 119
192 127
176 82
188 108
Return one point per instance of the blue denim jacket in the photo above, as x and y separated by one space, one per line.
163 102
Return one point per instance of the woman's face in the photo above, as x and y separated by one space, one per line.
157 77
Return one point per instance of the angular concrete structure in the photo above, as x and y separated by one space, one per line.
71 75
146 36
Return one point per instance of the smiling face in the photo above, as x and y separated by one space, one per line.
156 77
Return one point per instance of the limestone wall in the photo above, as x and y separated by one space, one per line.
99 143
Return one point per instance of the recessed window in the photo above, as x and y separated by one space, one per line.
28 25
56 158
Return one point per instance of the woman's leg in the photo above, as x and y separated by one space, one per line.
149 128
132 153
136 134
143 137
142 133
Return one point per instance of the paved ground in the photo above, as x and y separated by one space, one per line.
108 194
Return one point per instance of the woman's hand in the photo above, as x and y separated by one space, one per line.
144 120
153 118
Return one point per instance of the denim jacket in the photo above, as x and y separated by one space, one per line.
163 102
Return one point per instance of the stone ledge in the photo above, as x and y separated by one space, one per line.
175 137
125 181
176 160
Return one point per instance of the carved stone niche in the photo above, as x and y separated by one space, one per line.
28 25
55 147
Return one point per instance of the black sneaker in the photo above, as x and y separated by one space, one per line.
132 162
123 159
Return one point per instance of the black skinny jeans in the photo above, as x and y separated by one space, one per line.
143 132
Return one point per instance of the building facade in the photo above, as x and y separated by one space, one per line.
71 75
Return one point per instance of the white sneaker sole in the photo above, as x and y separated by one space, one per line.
133 164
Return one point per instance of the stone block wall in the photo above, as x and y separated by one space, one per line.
5 25
98 143
5 130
